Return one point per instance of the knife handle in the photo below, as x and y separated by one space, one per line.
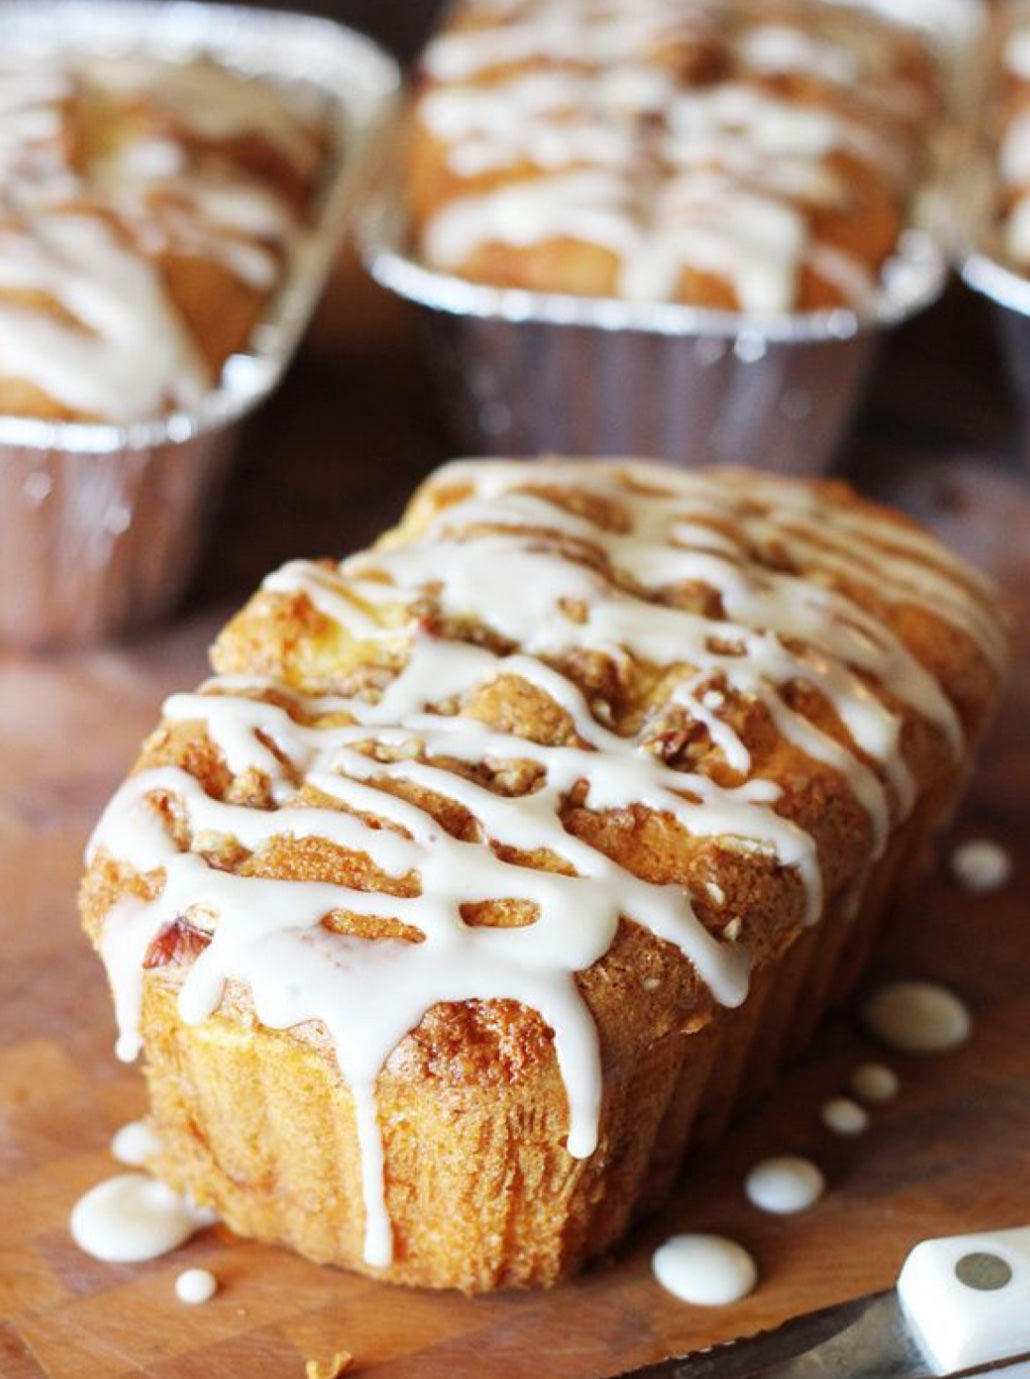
967 1298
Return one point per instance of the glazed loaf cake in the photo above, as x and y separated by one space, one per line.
759 157
500 862
148 210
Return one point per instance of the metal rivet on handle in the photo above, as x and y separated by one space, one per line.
985 1272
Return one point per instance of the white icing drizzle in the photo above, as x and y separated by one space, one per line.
211 102
133 1217
31 124
83 228
131 354
918 1017
784 1184
705 1270
135 1144
196 1286
981 865
605 144
319 751
786 48
592 35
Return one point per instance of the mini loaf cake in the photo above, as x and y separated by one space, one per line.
1013 138
501 862
148 210
759 156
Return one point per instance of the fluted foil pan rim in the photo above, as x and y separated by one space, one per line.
979 255
913 279
992 278
361 81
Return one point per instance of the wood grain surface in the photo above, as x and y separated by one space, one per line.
324 467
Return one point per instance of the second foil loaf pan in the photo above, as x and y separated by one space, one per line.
530 371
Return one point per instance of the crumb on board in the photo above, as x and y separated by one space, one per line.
340 1364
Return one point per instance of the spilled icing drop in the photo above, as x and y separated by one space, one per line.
135 1144
785 1184
196 1286
875 1083
844 1116
918 1017
133 1217
981 865
706 1270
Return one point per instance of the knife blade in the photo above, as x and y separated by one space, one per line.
961 1307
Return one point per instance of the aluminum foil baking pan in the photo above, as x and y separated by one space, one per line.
527 372
101 525
1010 293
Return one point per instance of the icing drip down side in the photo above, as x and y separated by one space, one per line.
343 767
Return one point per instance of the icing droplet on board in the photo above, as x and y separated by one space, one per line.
844 1116
195 1286
785 1184
134 1144
875 1083
133 1217
706 1270
981 865
918 1017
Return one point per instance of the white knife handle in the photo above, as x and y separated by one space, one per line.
967 1298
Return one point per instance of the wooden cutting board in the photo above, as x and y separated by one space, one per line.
328 464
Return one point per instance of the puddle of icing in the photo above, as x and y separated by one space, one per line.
875 1083
918 1017
784 1184
196 1285
844 1116
134 1144
132 1217
706 1270
981 865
